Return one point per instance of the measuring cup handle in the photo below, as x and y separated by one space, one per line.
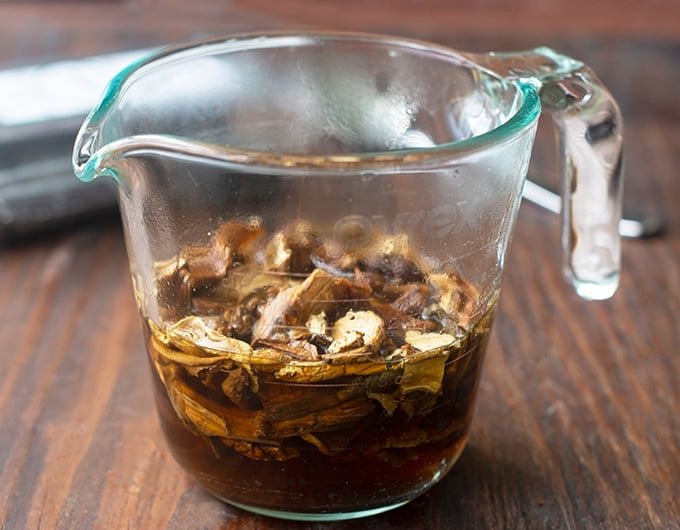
590 129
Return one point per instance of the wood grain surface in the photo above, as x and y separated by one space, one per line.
577 424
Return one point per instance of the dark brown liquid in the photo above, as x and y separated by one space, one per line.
361 459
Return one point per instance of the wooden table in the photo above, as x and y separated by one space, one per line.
578 416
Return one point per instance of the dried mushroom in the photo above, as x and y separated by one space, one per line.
357 329
457 298
301 340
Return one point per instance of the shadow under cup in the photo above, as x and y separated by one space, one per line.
316 228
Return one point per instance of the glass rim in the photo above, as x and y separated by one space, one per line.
524 117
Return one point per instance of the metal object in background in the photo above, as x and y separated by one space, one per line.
41 110
629 226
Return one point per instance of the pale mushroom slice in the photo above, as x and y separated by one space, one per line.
357 329
456 297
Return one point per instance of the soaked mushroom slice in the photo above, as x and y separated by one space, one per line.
192 410
456 297
204 265
299 349
277 254
350 341
193 363
397 322
392 258
262 451
357 329
413 300
426 376
170 286
320 371
301 238
207 417
236 238
240 387
294 306
274 316
340 415
332 257
197 336
245 281
249 291
317 324
182 281
429 341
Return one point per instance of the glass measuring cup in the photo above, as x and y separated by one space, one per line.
316 225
